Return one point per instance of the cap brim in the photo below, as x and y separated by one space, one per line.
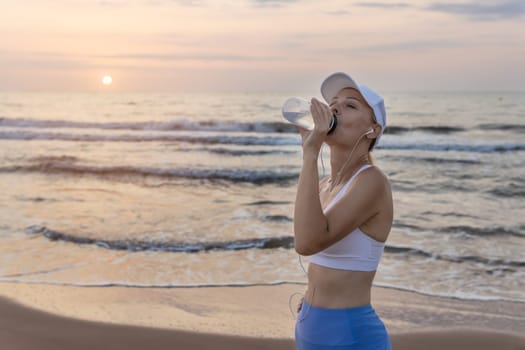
335 83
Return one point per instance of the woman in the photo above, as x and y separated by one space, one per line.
342 221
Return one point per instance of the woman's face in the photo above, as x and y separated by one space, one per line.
354 116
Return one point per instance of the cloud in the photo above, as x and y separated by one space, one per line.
337 13
273 3
476 10
192 57
73 60
189 3
383 4
416 45
153 3
112 3
405 46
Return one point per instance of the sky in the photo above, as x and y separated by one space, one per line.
261 45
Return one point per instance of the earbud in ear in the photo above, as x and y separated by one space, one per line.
371 131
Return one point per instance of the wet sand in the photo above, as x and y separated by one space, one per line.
256 317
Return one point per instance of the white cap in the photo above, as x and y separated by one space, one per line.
338 81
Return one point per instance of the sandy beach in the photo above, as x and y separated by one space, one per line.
255 317
151 163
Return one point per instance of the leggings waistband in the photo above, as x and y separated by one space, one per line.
363 309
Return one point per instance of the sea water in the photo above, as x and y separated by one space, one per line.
170 190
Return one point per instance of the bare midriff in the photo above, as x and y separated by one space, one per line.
338 289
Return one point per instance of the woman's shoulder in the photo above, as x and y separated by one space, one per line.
375 177
374 169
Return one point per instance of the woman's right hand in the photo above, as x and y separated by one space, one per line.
300 306
322 116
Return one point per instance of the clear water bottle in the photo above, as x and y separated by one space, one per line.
297 111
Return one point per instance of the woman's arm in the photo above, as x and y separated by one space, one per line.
308 213
315 230
309 219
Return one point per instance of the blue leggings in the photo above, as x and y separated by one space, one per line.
356 328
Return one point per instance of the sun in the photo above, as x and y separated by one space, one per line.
107 80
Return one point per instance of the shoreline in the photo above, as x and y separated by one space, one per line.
254 317
271 284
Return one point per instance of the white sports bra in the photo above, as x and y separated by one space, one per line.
356 251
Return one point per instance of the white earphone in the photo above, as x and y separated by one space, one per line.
371 131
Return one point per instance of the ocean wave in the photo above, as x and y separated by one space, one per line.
227 126
177 247
516 231
234 175
174 125
510 190
250 140
504 127
484 231
436 160
444 129
441 187
278 218
409 251
285 242
451 147
62 159
438 129
451 213
269 203
195 139
241 152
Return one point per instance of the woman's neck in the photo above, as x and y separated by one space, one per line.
343 167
